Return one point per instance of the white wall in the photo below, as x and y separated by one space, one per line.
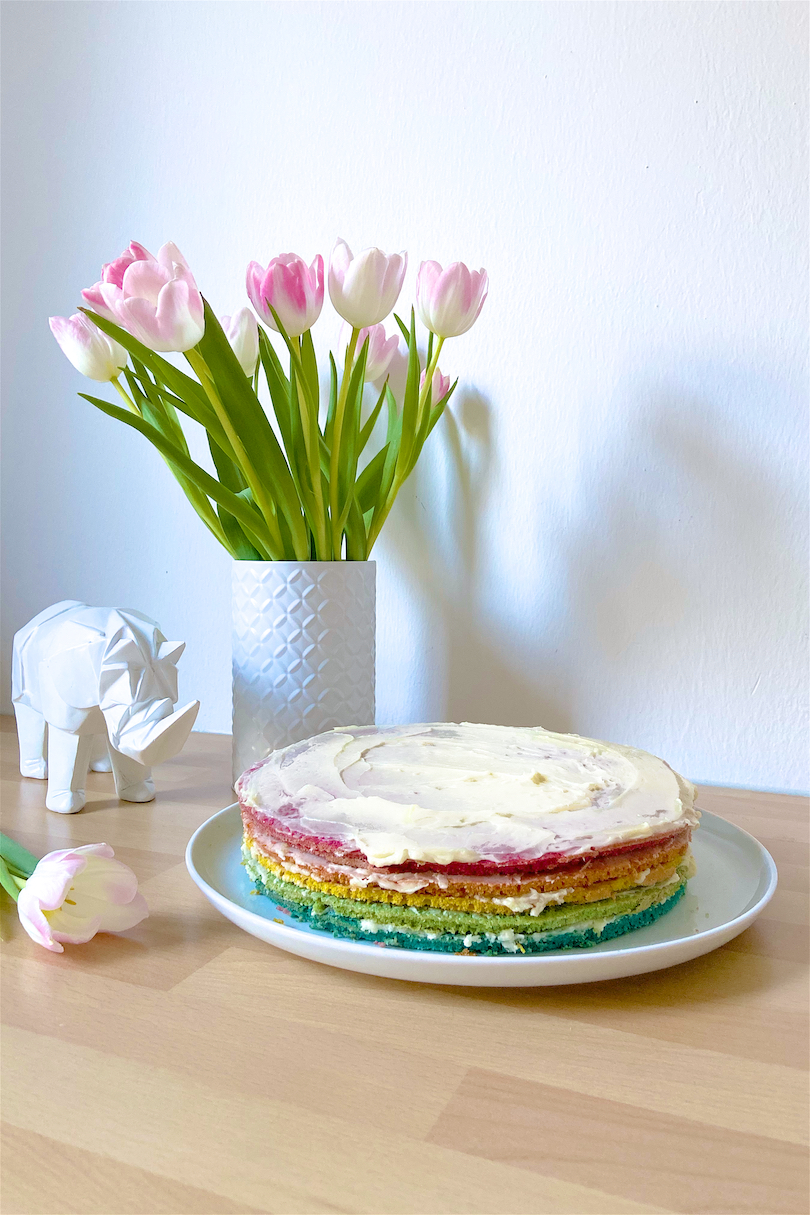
609 534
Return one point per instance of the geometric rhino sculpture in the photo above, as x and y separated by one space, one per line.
103 683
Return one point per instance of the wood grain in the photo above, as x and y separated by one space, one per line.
186 1067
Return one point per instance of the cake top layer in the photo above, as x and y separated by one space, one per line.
447 793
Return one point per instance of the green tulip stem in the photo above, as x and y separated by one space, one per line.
197 499
9 883
423 395
312 437
18 859
122 392
303 413
265 504
340 409
399 479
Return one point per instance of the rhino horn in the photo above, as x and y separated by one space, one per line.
170 651
165 738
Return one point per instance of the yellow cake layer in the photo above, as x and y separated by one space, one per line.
432 897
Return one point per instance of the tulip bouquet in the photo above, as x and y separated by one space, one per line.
72 894
297 482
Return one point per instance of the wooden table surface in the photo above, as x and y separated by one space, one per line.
186 1067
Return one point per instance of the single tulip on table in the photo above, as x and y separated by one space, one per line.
71 894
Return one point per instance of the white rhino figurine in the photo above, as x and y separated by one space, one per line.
104 681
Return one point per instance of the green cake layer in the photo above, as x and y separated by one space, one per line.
428 928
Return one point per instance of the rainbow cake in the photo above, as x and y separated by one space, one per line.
467 838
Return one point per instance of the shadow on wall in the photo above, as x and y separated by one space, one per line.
672 566
441 552
684 544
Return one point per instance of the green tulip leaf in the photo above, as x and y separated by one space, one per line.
439 409
252 436
410 406
367 487
177 381
332 406
403 328
356 541
369 424
254 526
349 452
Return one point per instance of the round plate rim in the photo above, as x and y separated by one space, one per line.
368 950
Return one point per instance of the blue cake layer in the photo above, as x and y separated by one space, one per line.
327 919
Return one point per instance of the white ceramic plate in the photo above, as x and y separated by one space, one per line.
735 879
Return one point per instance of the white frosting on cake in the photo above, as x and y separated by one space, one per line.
443 793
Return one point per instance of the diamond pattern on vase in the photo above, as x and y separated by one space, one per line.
303 652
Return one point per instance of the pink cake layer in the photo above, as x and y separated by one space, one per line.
278 826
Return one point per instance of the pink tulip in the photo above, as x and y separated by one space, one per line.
365 288
439 385
75 893
157 299
381 349
242 332
90 351
294 289
449 301
113 272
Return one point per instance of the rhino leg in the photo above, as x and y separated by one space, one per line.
100 755
68 757
31 739
133 781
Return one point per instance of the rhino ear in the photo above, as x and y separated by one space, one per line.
170 651
75 674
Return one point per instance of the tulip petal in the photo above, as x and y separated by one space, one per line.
365 289
73 929
101 850
119 917
180 328
94 298
242 332
137 316
145 280
253 282
35 924
53 882
111 297
170 256
113 272
110 881
340 259
89 350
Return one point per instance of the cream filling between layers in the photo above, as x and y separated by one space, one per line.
462 793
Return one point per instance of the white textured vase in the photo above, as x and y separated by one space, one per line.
303 652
